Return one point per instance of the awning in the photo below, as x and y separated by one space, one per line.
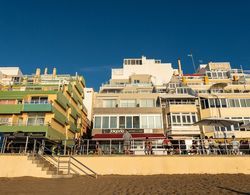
118 136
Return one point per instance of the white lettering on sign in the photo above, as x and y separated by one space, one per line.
116 131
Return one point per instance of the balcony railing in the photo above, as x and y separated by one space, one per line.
189 147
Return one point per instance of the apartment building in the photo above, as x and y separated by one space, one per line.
44 105
130 100
222 92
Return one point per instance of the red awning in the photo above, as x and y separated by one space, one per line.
118 136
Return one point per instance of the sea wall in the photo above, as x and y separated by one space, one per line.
18 166
150 165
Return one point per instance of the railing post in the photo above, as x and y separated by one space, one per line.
88 147
69 162
225 141
110 146
58 164
34 147
5 142
179 145
26 144
65 147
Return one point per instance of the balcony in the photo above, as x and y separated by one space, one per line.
44 106
15 127
184 130
11 108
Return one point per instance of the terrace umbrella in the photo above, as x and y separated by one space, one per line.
218 86
217 122
247 125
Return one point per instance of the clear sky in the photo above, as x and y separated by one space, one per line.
91 37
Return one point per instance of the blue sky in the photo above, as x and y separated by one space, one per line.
91 37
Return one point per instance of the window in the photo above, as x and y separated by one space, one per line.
181 119
109 103
223 103
136 122
128 122
39 100
5 121
212 103
105 122
158 123
243 103
98 121
122 122
151 121
144 122
147 103
127 103
113 122
35 119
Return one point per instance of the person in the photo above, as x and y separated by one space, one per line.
98 149
206 145
148 147
235 146
167 145
126 144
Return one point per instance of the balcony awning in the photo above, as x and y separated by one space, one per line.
118 136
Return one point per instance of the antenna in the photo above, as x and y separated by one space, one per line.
192 58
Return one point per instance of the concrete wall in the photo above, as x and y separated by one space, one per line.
149 165
19 166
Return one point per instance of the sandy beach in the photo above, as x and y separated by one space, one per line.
112 184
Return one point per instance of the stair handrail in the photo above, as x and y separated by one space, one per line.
81 164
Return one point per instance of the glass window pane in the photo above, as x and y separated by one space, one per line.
173 118
178 119
144 122
97 122
136 122
129 122
217 101
243 103
184 119
150 122
105 122
248 102
231 102
122 122
212 103
31 121
109 103
237 102
113 122
223 103
193 118
158 122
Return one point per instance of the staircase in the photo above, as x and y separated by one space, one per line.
61 166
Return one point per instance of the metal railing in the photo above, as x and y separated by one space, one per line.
28 145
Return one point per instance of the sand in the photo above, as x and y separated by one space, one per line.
157 184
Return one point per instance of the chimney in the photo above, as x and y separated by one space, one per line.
38 72
45 71
54 72
179 67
